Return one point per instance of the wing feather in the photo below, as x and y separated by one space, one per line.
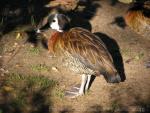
88 48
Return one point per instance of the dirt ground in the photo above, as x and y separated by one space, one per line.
129 50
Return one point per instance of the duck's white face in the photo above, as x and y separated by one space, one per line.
54 24
58 22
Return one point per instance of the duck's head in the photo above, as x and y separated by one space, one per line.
58 22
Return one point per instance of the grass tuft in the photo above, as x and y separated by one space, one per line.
33 23
39 67
34 50
114 106
126 52
139 56
32 81
59 93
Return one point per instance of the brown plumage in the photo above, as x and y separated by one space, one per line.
138 18
83 52
85 46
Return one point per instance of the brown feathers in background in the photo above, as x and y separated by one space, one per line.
138 18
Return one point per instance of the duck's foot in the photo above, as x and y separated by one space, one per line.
73 92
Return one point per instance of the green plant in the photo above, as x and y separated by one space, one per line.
139 56
34 50
33 23
38 81
59 93
39 67
126 51
114 106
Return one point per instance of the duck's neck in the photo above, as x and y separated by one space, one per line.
55 34
52 40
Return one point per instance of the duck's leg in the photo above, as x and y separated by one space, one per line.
83 83
77 90
88 82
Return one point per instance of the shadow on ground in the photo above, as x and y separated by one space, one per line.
67 109
25 94
119 108
120 22
21 12
114 50
81 17
94 109
124 106
38 105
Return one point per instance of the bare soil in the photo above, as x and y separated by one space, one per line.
129 50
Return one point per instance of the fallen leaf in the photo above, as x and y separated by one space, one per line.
18 65
18 36
55 69
129 60
137 57
15 44
126 1
8 88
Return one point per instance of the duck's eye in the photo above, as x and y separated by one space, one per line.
53 20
